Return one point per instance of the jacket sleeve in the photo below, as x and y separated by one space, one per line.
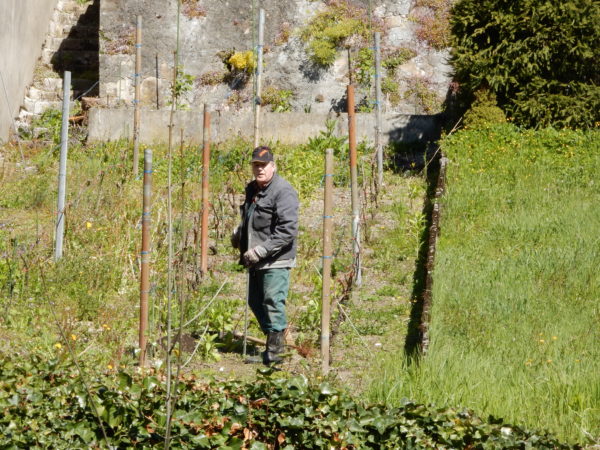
286 226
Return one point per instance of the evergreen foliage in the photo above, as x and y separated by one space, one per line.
539 57
484 111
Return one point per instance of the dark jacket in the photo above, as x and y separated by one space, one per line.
272 223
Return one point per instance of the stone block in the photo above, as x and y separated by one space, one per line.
400 7
148 90
39 94
402 34
51 84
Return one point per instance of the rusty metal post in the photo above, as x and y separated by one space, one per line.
259 63
136 102
205 191
145 255
327 259
62 169
378 144
354 186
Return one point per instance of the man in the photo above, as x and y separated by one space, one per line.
267 240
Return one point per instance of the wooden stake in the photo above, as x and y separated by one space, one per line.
145 255
327 259
378 145
354 186
205 191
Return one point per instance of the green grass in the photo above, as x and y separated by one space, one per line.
515 318
94 289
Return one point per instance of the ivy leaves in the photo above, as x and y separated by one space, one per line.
44 404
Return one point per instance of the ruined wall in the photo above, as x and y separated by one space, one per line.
23 25
217 25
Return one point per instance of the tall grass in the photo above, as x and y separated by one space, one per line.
515 328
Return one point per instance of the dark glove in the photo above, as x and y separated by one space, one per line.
236 237
254 255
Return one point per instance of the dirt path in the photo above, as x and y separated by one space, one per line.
372 324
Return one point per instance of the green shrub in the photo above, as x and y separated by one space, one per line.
364 67
540 58
484 111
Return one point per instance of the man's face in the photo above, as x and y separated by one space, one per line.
263 172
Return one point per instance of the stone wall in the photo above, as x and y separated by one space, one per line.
291 128
23 25
220 25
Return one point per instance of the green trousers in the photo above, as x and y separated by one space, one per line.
268 291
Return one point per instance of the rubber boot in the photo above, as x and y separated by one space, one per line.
256 359
275 344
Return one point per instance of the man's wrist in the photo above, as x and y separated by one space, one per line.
260 251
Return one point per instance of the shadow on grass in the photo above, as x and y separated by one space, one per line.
414 337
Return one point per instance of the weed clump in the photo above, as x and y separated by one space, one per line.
278 99
433 21
123 43
192 9
333 28
397 57
426 97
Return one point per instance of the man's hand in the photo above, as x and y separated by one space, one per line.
254 255
236 237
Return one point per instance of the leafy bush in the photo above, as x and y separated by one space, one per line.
483 111
45 404
390 87
184 82
239 65
364 67
540 58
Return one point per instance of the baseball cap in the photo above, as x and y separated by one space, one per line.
262 154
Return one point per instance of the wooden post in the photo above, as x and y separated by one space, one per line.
354 186
62 170
136 102
157 80
259 63
205 191
378 145
145 255
327 257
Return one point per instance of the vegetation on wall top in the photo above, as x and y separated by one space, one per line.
433 22
333 27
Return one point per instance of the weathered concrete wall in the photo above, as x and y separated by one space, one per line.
291 128
23 27
224 25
